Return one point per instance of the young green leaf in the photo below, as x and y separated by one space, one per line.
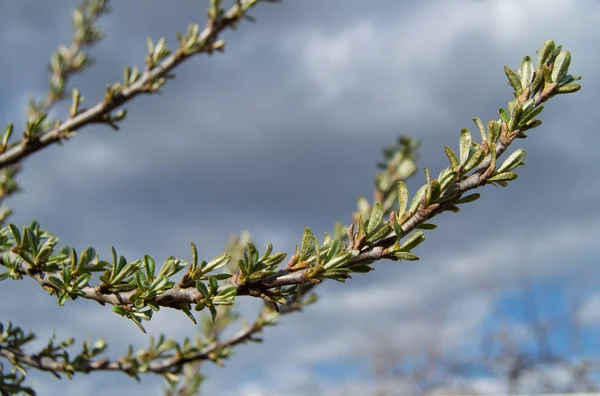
274 259
568 88
212 285
530 115
202 289
403 198
538 82
267 252
513 161
465 145
513 80
158 284
481 128
189 314
82 280
517 115
475 160
194 255
335 248
468 198
308 240
506 176
362 269
413 241
57 282
398 231
382 232
376 218
561 66
416 201
504 115
216 263
406 256
545 53
149 264
526 72
451 157
213 312
493 131
15 233
426 226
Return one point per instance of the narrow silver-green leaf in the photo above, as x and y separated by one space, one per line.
468 198
416 201
82 280
201 287
493 131
15 232
194 255
275 259
526 72
481 128
376 217
517 116
545 53
189 314
398 231
57 282
267 252
513 161
119 310
426 226
413 241
428 195
149 264
341 259
465 144
561 66
334 249
307 244
228 291
451 157
406 256
216 263
513 80
531 115
504 115
381 233
475 160
538 82
447 179
506 176
158 283
402 197
568 88
317 254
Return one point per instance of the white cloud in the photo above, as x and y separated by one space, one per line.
400 66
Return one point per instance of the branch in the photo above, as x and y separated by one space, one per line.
158 66
135 290
164 357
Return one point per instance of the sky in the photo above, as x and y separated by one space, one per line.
282 132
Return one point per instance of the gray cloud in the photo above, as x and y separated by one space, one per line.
282 132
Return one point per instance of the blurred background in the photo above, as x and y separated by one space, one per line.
283 132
